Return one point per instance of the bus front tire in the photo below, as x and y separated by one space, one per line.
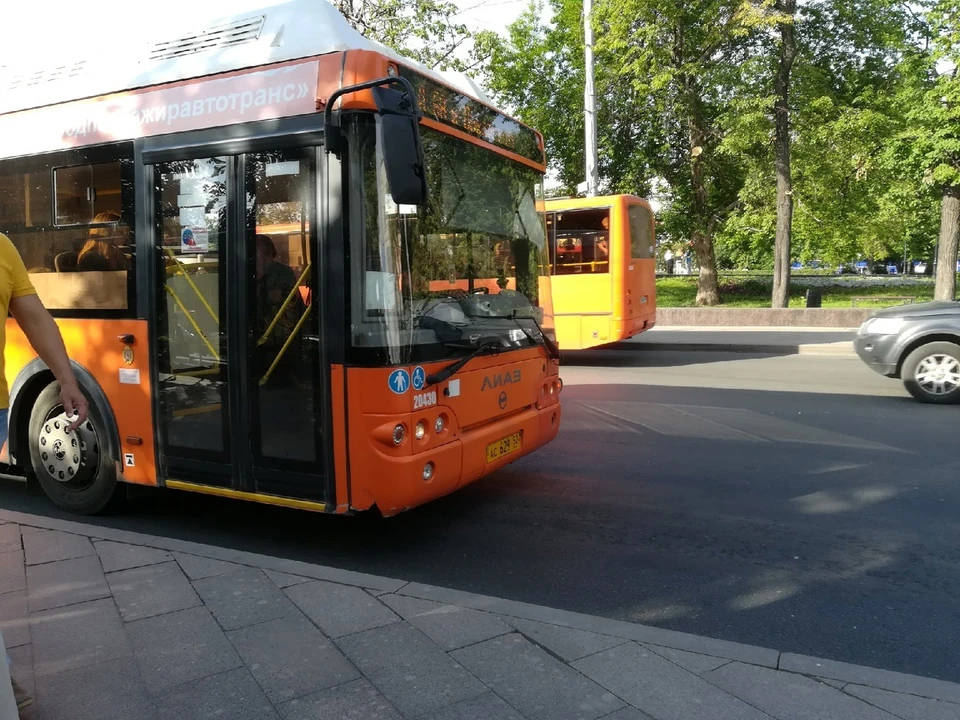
73 468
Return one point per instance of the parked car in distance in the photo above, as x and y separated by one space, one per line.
919 344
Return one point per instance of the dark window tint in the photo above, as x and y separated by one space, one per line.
641 231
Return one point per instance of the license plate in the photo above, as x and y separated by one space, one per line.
508 445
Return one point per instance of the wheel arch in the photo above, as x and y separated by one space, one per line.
925 339
30 382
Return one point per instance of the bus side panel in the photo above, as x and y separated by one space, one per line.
96 346
582 309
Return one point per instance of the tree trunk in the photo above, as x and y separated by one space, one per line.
781 251
708 289
945 287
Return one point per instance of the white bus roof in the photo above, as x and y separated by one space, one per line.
55 51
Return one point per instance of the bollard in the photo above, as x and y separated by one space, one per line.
814 298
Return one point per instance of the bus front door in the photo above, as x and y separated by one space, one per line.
239 362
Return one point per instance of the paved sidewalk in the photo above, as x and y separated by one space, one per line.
110 625
760 340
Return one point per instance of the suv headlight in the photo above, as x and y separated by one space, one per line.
883 326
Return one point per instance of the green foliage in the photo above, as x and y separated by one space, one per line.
425 30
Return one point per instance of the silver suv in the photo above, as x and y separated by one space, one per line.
919 344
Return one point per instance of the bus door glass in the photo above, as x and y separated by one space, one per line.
240 381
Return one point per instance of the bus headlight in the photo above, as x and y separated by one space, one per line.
399 432
420 430
438 425
428 471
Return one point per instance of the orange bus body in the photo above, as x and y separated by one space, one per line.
495 410
596 302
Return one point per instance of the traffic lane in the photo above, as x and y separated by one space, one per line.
809 546
846 375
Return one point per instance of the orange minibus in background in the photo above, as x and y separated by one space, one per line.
252 230
603 269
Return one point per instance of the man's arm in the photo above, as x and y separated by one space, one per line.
44 336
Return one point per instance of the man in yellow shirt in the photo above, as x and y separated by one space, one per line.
19 298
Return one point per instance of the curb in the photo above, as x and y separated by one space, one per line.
933 689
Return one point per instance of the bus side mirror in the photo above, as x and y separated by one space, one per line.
402 148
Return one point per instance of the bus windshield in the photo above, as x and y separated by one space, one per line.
465 270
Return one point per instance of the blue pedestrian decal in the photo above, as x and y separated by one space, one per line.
419 378
399 381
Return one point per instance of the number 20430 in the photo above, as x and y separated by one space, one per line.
424 400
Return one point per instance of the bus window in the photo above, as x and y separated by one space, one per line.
72 225
582 240
641 232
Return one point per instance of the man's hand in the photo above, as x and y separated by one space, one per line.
74 403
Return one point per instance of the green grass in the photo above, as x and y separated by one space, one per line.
754 293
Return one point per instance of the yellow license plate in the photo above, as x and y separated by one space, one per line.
508 445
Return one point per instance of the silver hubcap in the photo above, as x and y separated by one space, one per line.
67 455
938 374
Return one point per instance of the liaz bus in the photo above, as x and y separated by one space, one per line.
603 269
252 230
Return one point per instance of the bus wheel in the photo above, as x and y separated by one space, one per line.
70 467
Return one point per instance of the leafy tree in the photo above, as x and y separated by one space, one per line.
426 30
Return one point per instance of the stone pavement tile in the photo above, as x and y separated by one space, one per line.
14 619
241 598
290 658
340 609
116 556
449 626
13 575
660 688
198 568
233 695
907 707
108 691
488 706
73 637
10 538
67 582
568 643
871 677
180 647
21 667
788 696
357 700
285 580
151 590
413 673
52 545
534 682
838 684
694 662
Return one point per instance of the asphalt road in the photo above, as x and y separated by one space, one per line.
800 503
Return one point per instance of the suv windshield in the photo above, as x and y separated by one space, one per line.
468 269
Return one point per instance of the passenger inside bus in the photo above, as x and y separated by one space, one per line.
103 249
274 283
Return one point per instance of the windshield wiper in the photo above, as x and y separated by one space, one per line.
440 376
553 350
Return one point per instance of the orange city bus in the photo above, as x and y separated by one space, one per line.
251 233
603 269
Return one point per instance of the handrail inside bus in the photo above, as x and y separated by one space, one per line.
286 304
192 285
193 322
286 345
